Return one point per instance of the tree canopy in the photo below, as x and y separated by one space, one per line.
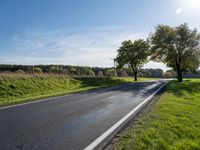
178 47
132 55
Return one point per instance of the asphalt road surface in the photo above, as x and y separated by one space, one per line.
72 121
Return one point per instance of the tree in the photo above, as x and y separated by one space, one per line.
100 74
111 73
178 47
19 71
56 69
91 73
37 70
152 73
170 74
132 55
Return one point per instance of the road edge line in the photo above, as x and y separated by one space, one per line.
103 139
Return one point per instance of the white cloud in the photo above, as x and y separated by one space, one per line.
179 10
91 47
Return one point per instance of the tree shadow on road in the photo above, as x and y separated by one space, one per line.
119 85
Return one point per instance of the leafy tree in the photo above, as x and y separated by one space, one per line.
37 70
91 73
72 71
19 71
132 55
100 74
111 73
170 74
152 73
56 69
178 47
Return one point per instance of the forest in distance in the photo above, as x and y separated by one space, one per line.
92 71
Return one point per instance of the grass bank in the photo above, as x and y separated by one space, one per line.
18 88
172 124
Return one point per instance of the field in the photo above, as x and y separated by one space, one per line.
172 124
18 88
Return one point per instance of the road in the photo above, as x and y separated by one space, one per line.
72 121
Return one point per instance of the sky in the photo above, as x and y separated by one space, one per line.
84 32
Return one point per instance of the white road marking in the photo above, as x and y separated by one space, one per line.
112 97
106 134
34 101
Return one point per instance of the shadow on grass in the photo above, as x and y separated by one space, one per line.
187 86
95 81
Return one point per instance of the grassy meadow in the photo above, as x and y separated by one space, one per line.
172 124
18 88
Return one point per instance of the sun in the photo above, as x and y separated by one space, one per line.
192 5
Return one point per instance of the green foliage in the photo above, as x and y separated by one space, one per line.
100 74
170 74
20 71
18 88
56 69
91 73
178 47
172 124
111 73
132 55
37 70
152 73
80 70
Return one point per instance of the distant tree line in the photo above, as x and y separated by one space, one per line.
80 70
172 74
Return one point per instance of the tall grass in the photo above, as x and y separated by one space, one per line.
17 88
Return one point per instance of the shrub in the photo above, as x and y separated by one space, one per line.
100 74
37 70
111 73
19 71
56 69
91 73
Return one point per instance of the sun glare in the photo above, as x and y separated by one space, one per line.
192 5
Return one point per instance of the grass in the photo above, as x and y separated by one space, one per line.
19 88
172 124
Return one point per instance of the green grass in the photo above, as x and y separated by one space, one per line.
16 88
172 124
131 79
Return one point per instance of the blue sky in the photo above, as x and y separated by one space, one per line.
83 32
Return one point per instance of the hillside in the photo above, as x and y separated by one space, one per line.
17 88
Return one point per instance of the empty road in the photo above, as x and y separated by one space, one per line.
72 121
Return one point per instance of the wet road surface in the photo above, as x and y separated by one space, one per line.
72 121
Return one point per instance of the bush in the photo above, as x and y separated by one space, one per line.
91 73
111 73
56 69
19 71
100 74
37 70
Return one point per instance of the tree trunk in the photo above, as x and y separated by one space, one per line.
179 73
135 76
135 71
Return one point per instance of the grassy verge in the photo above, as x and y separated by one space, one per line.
172 124
16 88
